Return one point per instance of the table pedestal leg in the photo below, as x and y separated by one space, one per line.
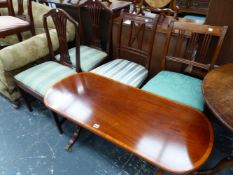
73 139
159 172
223 164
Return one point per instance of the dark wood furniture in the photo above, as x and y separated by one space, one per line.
7 4
94 17
220 13
60 19
193 6
151 127
218 94
10 25
196 48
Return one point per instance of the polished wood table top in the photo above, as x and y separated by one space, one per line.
218 93
171 136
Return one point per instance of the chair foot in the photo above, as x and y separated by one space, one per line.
15 104
73 139
159 172
58 123
227 162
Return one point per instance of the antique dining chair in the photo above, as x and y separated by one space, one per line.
123 70
95 31
18 22
38 79
7 4
190 51
135 44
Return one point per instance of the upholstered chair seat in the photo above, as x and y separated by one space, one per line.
125 71
178 87
9 22
89 57
43 76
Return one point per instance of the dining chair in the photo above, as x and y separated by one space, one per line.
132 61
7 4
95 31
190 51
19 22
38 79
121 69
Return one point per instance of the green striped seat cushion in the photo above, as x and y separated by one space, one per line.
177 87
41 77
89 57
124 71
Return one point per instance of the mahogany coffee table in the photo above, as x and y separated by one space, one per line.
173 137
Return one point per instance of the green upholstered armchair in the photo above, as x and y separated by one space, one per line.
19 55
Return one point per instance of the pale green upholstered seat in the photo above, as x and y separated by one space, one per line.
41 77
125 71
177 87
89 57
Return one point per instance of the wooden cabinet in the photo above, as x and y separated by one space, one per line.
193 6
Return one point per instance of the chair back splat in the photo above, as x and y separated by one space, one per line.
194 47
60 19
96 24
133 44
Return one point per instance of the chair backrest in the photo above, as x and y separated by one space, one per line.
7 4
20 9
135 32
194 47
96 24
60 19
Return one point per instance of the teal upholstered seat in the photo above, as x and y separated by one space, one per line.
196 18
41 77
89 57
177 87
125 71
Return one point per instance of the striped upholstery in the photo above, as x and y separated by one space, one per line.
177 87
124 71
41 77
89 57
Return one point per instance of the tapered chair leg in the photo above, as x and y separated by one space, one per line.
73 139
58 123
25 99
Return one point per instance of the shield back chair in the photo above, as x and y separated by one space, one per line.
122 68
38 79
190 51
7 4
95 31
17 22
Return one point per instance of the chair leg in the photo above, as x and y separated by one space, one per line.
159 172
25 99
73 139
19 37
227 162
58 123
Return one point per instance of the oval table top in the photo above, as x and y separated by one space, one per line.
218 93
170 135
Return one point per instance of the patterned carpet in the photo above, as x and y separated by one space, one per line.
31 145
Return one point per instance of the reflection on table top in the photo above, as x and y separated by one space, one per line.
172 136
218 93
